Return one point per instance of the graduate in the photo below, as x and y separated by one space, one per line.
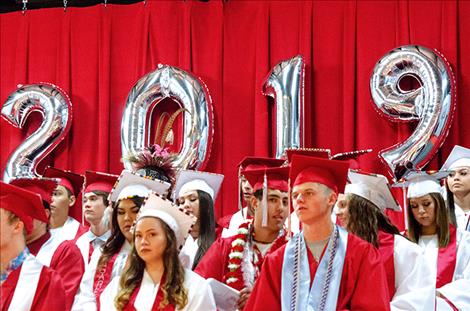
361 212
322 267
25 284
64 197
95 202
61 256
155 278
196 192
237 260
127 196
446 248
458 186
246 192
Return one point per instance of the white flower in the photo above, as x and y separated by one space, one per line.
242 231
238 242
233 266
231 280
235 255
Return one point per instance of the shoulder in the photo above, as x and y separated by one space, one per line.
360 250
402 244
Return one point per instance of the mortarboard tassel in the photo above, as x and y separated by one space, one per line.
264 202
289 219
240 193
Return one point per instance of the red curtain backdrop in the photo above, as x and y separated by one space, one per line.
96 54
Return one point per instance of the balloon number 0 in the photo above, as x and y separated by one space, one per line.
191 93
432 104
56 109
285 83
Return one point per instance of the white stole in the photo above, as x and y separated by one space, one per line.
27 284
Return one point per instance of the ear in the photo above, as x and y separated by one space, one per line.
72 200
254 202
48 213
19 226
332 198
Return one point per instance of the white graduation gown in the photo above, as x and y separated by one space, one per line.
414 285
462 218
456 291
188 252
85 298
83 243
199 293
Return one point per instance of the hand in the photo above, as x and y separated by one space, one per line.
244 295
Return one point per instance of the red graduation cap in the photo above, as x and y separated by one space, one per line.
97 181
311 152
42 186
331 173
351 156
276 178
25 204
67 179
250 163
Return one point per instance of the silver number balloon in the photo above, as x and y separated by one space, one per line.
191 94
56 109
432 104
285 83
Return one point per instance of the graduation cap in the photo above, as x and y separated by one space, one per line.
311 152
42 186
331 173
250 163
275 178
420 183
176 218
97 181
458 157
131 185
373 187
25 204
189 180
72 181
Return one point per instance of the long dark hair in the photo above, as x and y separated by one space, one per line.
206 225
174 292
366 219
116 240
451 205
442 221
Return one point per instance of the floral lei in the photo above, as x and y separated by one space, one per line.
243 271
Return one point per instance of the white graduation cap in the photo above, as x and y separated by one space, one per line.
458 157
176 218
131 184
373 187
189 180
421 183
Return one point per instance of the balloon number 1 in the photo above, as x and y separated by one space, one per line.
285 83
56 109
432 104
192 95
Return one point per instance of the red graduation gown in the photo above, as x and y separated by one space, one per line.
68 262
363 283
215 261
49 294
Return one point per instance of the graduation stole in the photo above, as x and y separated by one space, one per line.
156 303
296 293
245 260
386 249
103 277
446 260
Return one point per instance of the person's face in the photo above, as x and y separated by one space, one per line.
60 205
189 201
342 209
8 229
126 215
278 202
312 202
93 207
150 239
459 180
424 210
247 190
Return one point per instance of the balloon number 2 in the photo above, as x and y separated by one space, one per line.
432 104
56 109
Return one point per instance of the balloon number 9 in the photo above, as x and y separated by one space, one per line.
56 109
285 83
190 93
432 104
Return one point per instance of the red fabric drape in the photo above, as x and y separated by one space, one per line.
96 54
